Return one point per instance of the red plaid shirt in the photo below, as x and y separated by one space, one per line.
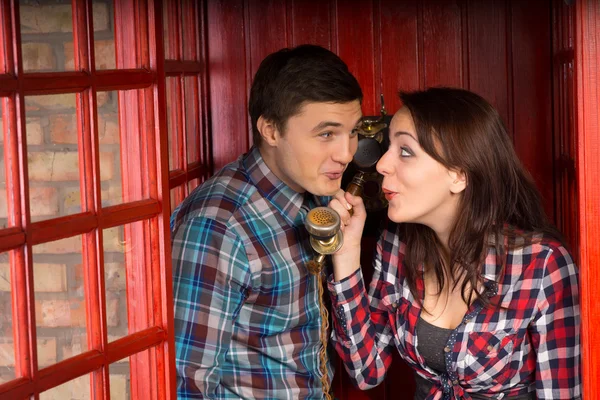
530 345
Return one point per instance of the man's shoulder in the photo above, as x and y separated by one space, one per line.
219 198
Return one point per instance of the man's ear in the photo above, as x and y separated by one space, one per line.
268 131
459 181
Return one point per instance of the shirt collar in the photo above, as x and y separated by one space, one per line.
287 201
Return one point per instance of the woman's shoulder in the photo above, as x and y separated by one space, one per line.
540 250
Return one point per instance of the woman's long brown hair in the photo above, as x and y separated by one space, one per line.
463 132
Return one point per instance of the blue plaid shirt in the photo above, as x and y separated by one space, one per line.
247 316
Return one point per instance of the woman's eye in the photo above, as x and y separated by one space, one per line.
405 152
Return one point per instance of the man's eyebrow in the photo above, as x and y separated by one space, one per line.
325 124
400 133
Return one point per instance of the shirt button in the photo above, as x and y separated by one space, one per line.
447 349
490 348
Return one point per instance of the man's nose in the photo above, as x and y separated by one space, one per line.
345 152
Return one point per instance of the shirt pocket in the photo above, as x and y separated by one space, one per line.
488 357
490 344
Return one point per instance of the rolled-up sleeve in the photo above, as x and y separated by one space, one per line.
362 334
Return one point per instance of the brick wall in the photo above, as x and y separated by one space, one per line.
52 155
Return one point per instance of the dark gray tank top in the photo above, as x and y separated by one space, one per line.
431 342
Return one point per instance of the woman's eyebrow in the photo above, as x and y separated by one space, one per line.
399 133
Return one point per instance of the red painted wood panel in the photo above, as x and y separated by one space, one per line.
226 65
565 109
587 50
266 32
310 22
442 43
400 49
355 41
532 108
487 53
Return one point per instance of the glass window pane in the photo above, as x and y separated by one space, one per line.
7 348
104 34
52 155
115 279
176 197
123 247
110 145
191 117
77 389
122 171
174 122
46 35
120 379
60 303
104 38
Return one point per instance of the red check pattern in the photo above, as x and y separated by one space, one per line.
529 345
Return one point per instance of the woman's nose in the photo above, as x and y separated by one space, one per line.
383 165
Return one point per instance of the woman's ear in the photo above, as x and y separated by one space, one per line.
268 131
459 181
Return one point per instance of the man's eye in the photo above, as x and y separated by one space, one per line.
354 132
326 134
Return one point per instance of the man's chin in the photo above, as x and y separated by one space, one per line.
326 190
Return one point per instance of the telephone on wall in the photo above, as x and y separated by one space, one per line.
373 141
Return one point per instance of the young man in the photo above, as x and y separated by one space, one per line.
247 316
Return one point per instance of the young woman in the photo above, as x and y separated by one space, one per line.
472 284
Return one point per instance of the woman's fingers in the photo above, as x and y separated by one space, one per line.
339 207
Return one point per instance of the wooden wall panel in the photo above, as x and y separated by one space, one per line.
532 92
355 45
442 43
487 53
400 49
227 80
311 21
266 31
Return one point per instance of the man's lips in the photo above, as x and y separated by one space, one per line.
334 174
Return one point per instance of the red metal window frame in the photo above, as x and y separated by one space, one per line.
140 65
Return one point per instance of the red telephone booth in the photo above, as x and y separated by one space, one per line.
114 110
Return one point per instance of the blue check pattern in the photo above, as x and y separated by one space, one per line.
246 309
